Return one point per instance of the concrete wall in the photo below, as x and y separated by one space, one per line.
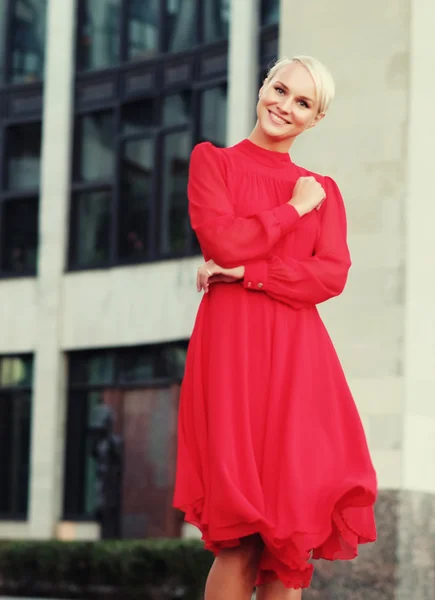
362 144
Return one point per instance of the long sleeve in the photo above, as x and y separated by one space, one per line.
229 240
302 283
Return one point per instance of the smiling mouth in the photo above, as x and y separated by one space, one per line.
278 120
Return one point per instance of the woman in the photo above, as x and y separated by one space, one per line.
273 465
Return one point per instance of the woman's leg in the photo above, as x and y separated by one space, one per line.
234 571
277 591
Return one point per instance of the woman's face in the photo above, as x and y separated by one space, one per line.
287 104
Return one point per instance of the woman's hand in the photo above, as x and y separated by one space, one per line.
307 195
210 272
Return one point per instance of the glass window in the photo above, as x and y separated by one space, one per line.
177 109
137 366
143 28
181 25
216 20
96 146
16 371
3 27
269 12
174 358
138 116
137 176
20 235
28 40
174 224
139 143
143 414
95 368
214 115
91 243
23 156
80 498
99 36
15 414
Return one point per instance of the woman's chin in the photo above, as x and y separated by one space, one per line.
275 133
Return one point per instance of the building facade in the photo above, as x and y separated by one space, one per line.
102 101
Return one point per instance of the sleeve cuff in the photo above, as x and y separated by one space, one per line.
287 216
255 275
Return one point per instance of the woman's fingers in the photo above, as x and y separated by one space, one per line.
204 273
208 273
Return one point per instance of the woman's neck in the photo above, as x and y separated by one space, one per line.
258 137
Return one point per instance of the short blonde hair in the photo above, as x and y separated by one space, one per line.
325 86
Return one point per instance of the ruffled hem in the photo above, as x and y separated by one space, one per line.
288 559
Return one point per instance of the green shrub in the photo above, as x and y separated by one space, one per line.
160 568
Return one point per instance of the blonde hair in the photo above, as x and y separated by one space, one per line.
325 86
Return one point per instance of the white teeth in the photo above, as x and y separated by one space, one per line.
277 119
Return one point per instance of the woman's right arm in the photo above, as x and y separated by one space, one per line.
229 240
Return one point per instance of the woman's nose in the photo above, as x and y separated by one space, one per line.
285 105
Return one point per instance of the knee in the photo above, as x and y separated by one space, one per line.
244 559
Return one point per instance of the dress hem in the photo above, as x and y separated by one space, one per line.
287 558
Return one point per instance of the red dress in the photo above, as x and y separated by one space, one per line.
270 440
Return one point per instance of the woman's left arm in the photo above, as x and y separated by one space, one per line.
302 283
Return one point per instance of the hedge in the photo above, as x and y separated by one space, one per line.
160 569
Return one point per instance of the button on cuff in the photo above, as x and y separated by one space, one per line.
256 275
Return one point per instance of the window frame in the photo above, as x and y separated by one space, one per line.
268 49
6 68
262 13
21 104
203 67
163 30
7 195
75 486
11 390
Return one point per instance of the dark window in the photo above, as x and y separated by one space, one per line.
269 12
124 209
138 117
174 224
95 148
216 15
114 32
22 56
3 30
99 33
214 115
91 227
19 199
140 385
23 156
180 25
27 40
136 124
136 194
143 28
177 109
19 235
269 33
15 414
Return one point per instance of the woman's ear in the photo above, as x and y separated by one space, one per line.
316 120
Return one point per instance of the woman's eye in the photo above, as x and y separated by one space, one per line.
303 103
279 90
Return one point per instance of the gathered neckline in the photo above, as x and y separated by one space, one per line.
269 158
